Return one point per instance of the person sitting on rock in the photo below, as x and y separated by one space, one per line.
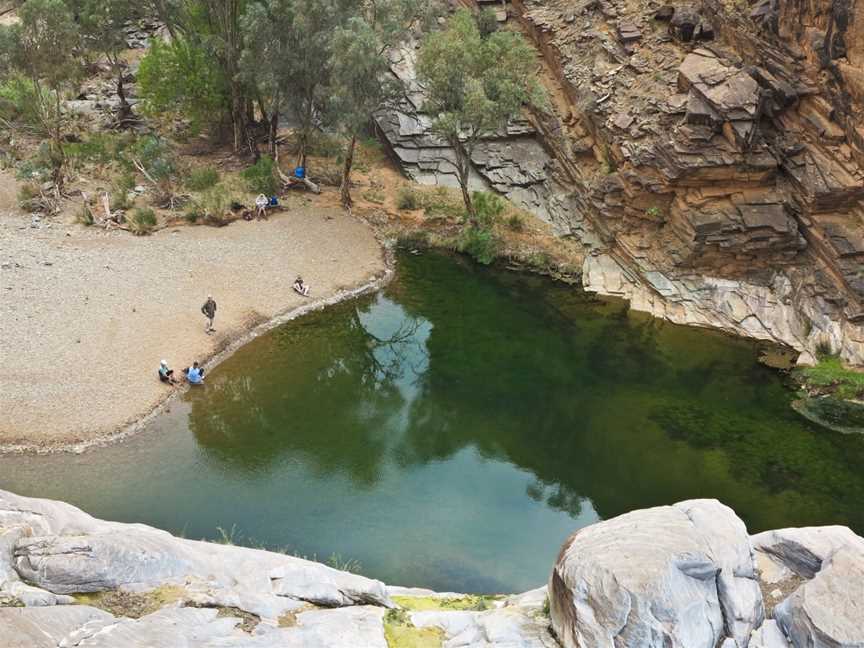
194 374
261 204
166 375
301 287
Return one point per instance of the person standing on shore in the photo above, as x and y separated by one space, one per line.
209 310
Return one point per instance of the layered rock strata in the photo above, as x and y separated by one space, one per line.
708 157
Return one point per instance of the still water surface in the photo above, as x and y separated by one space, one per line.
452 430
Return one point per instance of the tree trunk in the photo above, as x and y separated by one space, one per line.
272 134
346 174
463 169
124 112
304 145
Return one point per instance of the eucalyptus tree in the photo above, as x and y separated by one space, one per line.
360 79
103 30
475 84
266 63
44 47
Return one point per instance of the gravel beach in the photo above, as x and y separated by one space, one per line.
86 315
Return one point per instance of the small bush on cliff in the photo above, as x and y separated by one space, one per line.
481 243
488 207
407 199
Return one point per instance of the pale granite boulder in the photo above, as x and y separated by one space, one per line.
679 576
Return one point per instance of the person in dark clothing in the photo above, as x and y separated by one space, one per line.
166 375
209 310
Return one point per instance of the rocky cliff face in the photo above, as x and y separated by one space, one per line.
708 155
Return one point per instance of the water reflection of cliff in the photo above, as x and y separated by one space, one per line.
595 402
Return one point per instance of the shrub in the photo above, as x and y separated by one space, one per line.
515 223
407 199
480 243
99 148
212 206
155 154
261 176
84 216
418 239
487 22
442 202
120 199
653 212
375 195
37 166
488 207
18 102
27 196
143 221
201 179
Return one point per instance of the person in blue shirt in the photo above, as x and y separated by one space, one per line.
194 374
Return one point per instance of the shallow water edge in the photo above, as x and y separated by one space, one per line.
139 422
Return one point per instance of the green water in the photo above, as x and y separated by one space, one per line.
451 431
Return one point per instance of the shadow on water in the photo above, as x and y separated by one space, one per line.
453 429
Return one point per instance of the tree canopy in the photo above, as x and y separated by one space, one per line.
475 84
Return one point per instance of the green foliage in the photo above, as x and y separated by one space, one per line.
99 148
227 537
515 223
180 79
201 179
84 216
488 207
831 374
261 177
336 561
142 221
481 243
472 602
155 155
27 194
441 202
18 101
211 206
37 166
43 46
474 84
375 195
487 22
653 212
400 632
415 240
407 199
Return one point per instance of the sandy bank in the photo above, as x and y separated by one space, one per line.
85 316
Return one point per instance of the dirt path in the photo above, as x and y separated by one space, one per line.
86 316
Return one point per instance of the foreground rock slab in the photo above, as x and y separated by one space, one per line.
671 576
